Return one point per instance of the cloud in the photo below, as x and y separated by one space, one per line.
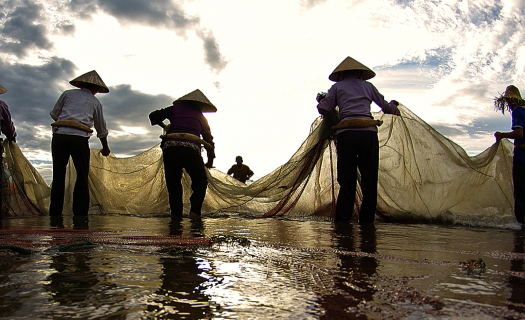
128 108
158 13
33 90
213 56
168 15
27 24
23 27
308 4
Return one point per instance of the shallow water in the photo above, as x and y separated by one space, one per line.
293 268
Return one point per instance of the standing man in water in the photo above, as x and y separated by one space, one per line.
75 113
357 145
181 149
512 101
8 128
240 171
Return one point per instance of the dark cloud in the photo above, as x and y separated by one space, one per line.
155 13
82 9
476 128
125 106
25 24
487 126
162 14
23 27
211 48
33 91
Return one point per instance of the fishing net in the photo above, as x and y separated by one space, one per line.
66 240
423 176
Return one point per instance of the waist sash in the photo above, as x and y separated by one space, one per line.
357 123
190 137
72 124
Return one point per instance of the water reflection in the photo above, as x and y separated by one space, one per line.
9 303
353 287
517 284
180 294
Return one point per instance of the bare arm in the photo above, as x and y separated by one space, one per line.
514 134
105 148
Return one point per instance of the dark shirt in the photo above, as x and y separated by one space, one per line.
518 121
7 127
241 172
183 118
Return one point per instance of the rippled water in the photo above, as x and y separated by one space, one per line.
292 269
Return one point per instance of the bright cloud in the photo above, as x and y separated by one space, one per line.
261 63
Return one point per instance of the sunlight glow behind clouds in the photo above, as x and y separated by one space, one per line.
262 63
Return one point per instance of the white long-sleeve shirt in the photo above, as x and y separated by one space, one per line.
82 106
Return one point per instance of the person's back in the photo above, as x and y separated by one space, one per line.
181 149
75 113
357 145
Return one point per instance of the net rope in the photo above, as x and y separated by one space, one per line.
423 176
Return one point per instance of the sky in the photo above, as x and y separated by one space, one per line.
261 63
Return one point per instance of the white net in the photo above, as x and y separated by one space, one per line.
423 176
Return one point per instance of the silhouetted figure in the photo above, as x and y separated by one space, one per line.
181 148
510 101
75 113
357 145
8 129
240 171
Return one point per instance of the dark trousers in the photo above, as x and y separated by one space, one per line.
1 183
175 159
357 150
518 177
64 146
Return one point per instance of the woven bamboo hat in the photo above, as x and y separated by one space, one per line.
198 99
91 77
511 94
2 89
351 64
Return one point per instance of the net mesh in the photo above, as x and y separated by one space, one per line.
422 176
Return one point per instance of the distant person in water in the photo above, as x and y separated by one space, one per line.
8 129
512 101
240 171
357 144
75 113
181 148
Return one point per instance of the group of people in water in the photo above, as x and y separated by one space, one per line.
77 111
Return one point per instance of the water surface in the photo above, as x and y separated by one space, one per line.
293 268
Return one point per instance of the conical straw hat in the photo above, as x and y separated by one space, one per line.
351 64
2 89
90 77
199 99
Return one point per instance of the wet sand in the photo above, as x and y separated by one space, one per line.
296 268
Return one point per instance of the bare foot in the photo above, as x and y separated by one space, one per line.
194 216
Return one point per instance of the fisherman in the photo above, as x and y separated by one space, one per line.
512 101
240 171
8 129
357 144
181 148
75 113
